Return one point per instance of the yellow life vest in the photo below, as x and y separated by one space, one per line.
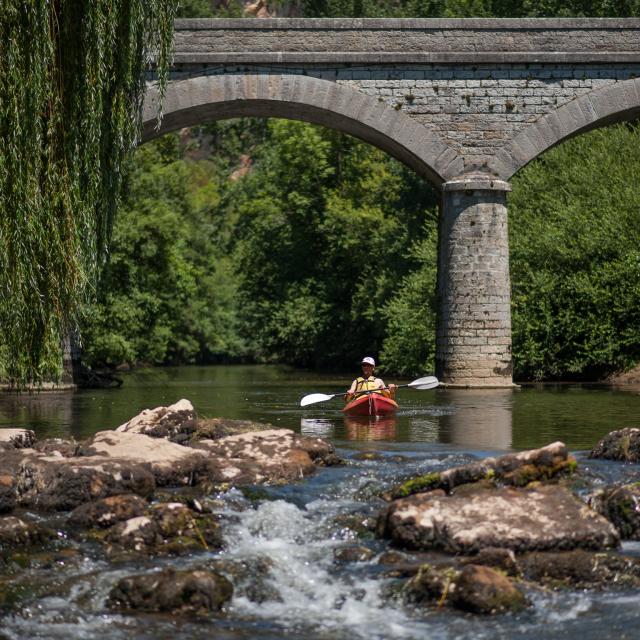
368 384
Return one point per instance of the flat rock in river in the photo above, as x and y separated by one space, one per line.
277 455
171 464
545 518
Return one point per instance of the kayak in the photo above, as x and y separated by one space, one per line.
371 404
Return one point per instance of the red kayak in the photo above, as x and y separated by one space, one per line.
371 404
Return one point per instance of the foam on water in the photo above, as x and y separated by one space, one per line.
313 594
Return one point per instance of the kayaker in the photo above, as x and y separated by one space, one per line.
368 382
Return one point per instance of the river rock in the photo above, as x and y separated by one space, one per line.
516 469
166 529
548 517
108 511
172 591
16 438
497 558
430 584
170 422
216 428
60 484
171 464
8 491
277 455
57 447
580 569
621 506
481 589
353 554
16 532
623 444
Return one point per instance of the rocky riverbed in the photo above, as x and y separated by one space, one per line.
172 514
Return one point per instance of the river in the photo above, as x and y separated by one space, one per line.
295 526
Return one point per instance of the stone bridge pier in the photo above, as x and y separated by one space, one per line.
473 336
464 103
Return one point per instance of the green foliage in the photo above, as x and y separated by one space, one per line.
71 81
469 8
319 255
167 294
409 345
575 261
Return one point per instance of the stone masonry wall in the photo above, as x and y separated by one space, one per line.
475 109
473 338
475 82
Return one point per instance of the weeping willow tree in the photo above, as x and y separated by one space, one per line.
72 82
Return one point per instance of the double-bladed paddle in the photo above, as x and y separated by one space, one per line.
430 382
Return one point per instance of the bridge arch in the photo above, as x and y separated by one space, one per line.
296 97
616 102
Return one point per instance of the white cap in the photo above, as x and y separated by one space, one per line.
369 360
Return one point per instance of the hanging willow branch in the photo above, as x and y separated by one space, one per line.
71 92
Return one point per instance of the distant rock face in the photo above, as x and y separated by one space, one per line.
545 518
623 444
168 591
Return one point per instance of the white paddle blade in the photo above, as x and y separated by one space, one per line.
429 382
312 398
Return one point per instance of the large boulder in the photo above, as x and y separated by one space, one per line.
545 518
171 464
621 506
59 484
16 438
172 591
175 422
623 444
277 455
516 469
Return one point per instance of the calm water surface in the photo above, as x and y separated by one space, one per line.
296 527
474 419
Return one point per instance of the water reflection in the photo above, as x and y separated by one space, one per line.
316 427
371 428
482 418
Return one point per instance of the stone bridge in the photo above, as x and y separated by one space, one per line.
465 103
